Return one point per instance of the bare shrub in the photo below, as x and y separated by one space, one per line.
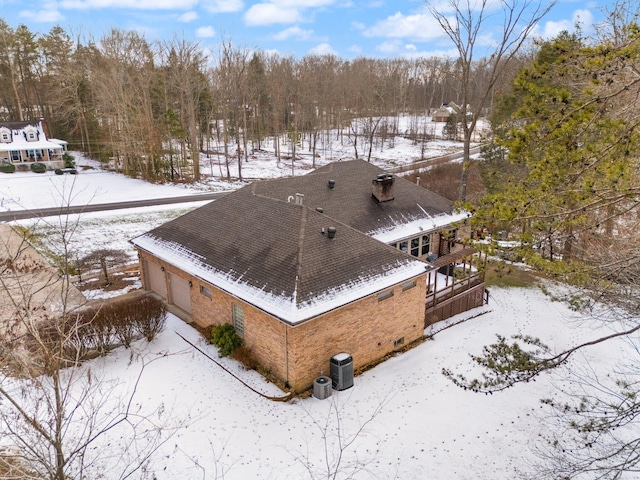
96 330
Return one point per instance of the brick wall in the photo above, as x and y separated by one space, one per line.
366 329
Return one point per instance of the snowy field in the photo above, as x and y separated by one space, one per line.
415 423
405 419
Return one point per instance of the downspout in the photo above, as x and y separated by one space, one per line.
286 353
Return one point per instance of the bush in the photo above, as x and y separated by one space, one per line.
7 167
102 328
57 171
69 161
225 338
38 167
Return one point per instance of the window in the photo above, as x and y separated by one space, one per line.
205 291
238 319
408 285
385 295
404 246
426 244
415 246
451 237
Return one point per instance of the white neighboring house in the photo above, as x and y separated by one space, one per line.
26 142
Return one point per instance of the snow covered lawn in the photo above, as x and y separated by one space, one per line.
417 424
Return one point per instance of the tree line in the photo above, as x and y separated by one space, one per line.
150 107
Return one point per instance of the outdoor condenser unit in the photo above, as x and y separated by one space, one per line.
322 387
342 371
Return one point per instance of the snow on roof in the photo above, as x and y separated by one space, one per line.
417 226
280 306
19 143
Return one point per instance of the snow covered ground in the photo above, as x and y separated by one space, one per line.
415 423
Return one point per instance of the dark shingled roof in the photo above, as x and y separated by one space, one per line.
257 237
350 200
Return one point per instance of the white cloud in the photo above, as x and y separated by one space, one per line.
282 11
188 17
391 47
302 3
421 26
223 6
357 49
293 32
551 29
322 49
129 4
205 32
270 13
47 15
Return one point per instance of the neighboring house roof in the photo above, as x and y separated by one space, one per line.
277 255
19 142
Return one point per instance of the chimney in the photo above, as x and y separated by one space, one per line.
382 187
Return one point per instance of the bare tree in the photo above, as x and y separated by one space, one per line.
55 411
338 457
462 21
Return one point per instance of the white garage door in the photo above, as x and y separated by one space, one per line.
155 278
180 292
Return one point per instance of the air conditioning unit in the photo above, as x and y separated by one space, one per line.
342 371
322 387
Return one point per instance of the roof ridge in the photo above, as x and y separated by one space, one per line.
301 237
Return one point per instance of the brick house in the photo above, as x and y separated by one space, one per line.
308 267
26 142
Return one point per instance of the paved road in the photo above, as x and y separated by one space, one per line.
98 207
46 212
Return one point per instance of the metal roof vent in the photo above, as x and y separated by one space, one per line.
331 232
319 209
331 184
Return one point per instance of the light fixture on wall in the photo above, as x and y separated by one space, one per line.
162 269
190 284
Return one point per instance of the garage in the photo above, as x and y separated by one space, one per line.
179 292
155 278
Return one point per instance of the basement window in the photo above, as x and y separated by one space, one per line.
205 291
385 295
408 285
398 342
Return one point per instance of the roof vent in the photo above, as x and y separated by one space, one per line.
331 232
319 209
299 198
383 187
331 183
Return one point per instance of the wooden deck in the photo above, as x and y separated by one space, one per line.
463 289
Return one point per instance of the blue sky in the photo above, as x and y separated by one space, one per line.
346 28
